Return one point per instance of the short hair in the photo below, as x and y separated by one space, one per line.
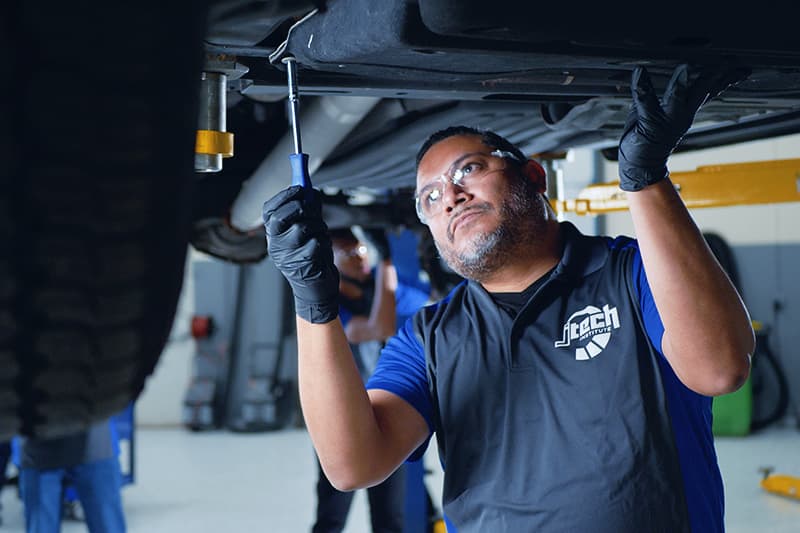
343 236
488 137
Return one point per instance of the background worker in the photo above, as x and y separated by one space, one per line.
88 461
367 312
568 381
5 458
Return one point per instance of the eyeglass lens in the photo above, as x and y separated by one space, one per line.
465 171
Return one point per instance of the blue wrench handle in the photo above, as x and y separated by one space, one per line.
300 175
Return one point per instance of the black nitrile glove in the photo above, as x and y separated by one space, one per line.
654 128
298 243
376 239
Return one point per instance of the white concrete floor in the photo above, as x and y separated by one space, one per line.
226 482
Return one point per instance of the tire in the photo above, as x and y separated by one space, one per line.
98 144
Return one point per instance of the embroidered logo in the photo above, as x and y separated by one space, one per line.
589 331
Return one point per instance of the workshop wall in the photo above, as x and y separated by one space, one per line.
765 240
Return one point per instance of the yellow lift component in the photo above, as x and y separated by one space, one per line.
780 484
764 182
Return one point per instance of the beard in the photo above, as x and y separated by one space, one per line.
523 219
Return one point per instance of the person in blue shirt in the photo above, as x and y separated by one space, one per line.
568 380
5 457
86 460
367 310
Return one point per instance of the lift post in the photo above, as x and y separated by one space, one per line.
764 182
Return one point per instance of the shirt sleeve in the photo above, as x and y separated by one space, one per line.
652 320
401 370
344 316
691 417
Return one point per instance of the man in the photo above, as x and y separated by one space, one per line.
367 312
88 461
5 456
569 380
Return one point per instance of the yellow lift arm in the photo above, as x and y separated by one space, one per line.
780 484
764 182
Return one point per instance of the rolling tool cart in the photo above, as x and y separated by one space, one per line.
242 377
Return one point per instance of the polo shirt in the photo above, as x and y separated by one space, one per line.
567 417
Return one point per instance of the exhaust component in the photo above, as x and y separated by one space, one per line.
326 121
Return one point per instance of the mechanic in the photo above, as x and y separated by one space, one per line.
367 312
569 380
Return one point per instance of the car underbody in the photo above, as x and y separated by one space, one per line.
376 78
102 108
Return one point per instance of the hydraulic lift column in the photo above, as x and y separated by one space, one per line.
213 142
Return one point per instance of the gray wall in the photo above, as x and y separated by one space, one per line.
770 289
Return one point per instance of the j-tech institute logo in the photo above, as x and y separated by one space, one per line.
589 331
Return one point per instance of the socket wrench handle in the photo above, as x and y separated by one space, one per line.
298 160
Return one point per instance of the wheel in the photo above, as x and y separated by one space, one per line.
99 114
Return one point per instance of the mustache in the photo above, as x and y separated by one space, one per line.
485 206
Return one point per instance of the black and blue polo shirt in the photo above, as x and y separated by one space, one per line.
565 417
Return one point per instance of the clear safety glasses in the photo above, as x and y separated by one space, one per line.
357 251
466 170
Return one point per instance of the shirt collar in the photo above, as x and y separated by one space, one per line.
581 255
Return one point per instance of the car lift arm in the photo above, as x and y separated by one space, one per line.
764 182
780 484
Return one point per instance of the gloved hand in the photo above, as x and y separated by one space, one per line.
376 239
654 128
299 245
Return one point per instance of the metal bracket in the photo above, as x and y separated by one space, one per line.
224 64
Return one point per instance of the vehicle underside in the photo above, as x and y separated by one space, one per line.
393 72
102 110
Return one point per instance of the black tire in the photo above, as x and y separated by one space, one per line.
770 386
99 112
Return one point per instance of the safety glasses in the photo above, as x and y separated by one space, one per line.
463 172
356 251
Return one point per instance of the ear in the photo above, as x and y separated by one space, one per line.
535 172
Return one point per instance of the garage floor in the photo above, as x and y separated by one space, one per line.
224 482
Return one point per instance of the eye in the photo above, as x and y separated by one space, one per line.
461 173
432 196
469 168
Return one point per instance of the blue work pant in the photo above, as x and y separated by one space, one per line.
97 484
386 505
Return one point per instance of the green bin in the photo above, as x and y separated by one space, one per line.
733 412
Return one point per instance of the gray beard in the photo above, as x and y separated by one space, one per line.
522 223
